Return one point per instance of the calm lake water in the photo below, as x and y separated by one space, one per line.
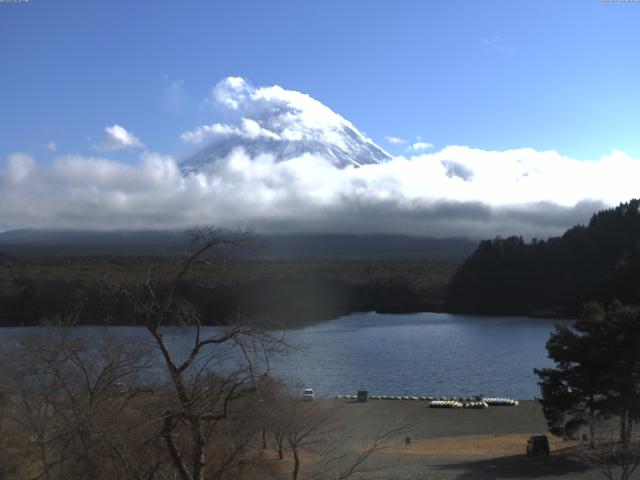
433 354
421 354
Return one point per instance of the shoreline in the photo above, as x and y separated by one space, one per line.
299 324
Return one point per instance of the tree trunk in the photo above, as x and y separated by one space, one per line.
624 432
296 464
592 421
176 457
199 457
280 443
264 438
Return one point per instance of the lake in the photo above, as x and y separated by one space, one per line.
433 354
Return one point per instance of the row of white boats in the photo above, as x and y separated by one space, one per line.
446 402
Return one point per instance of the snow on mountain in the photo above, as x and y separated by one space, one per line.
283 123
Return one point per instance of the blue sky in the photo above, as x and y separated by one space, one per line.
552 75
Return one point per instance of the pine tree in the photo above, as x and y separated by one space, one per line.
597 374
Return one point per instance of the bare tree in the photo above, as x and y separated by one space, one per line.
221 365
306 424
271 400
616 460
67 393
79 407
7 466
311 429
338 462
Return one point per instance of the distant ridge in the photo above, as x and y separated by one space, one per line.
277 246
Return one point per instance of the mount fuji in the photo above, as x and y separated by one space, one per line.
278 122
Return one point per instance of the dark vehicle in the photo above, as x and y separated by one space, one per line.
362 396
537 445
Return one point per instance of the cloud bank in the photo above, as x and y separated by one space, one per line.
454 191
457 191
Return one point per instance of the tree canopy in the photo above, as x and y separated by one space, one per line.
600 261
597 374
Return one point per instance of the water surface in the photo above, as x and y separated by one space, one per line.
420 354
403 354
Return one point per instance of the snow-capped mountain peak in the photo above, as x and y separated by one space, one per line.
283 123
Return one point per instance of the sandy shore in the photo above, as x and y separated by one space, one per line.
457 444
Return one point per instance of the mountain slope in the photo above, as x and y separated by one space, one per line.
357 151
279 122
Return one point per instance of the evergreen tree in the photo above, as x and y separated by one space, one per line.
597 374
600 261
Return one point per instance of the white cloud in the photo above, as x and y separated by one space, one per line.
118 138
51 146
231 92
419 146
248 128
455 191
19 167
395 140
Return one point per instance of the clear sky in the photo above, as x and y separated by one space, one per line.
551 75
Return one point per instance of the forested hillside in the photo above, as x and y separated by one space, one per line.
600 261
33 288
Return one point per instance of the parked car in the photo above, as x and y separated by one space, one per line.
308 394
537 445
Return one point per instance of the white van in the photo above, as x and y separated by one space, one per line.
308 394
